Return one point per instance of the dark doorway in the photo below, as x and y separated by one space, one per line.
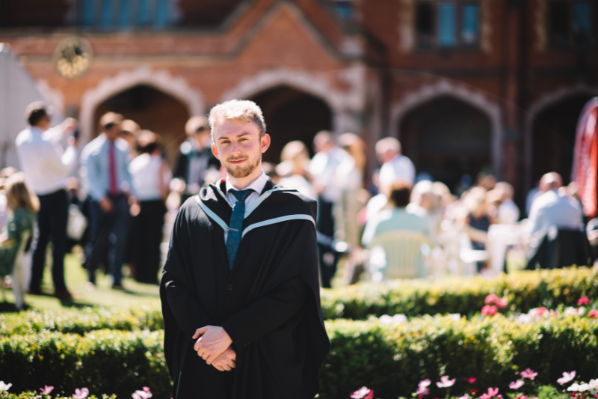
152 110
554 137
447 138
291 115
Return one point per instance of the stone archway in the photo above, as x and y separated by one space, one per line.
153 110
291 114
545 102
343 104
473 97
447 138
176 87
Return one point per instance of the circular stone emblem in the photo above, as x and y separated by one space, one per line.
72 57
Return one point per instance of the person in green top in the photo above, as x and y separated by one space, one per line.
23 206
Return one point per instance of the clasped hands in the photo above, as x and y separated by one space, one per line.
214 346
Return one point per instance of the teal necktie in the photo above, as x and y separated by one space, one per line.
235 227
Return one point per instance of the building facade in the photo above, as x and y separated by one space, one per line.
466 85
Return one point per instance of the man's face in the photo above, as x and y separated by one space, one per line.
112 132
239 147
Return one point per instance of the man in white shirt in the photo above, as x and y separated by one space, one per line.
323 167
555 208
46 167
399 167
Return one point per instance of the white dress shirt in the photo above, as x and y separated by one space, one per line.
323 167
257 186
145 171
45 164
398 168
552 209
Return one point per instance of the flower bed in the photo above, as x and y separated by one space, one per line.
466 296
389 355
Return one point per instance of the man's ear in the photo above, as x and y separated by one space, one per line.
265 142
215 150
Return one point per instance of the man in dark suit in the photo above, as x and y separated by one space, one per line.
196 157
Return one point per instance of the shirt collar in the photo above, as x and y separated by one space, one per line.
36 130
257 185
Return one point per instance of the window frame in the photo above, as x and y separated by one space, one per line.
460 44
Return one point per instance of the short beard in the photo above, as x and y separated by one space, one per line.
241 172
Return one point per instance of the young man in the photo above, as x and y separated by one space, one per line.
240 291
46 167
105 163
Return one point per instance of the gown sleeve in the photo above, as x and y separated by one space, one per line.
181 299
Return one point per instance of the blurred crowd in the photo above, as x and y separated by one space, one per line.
118 206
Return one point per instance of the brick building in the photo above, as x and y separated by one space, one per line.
466 85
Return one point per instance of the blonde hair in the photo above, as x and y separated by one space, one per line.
243 110
18 194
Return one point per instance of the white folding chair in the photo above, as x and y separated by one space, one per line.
399 255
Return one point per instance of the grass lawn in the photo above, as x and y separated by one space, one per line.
76 278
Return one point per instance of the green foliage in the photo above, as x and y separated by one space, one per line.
104 361
82 321
523 290
392 359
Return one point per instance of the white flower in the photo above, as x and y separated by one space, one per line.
4 387
566 377
581 311
396 319
570 311
578 387
523 319
593 386
466 396
455 316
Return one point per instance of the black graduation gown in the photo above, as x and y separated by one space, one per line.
269 303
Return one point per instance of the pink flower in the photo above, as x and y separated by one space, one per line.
584 300
539 312
445 382
473 391
529 373
363 393
145 394
516 384
593 313
492 392
466 396
491 299
81 393
489 310
566 377
422 388
521 397
501 303
46 390
471 380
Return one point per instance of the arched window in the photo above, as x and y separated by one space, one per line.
447 24
125 14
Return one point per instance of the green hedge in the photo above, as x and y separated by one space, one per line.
389 358
524 291
104 361
82 321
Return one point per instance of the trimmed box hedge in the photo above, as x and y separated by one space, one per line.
389 358
104 361
524 291
82 321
